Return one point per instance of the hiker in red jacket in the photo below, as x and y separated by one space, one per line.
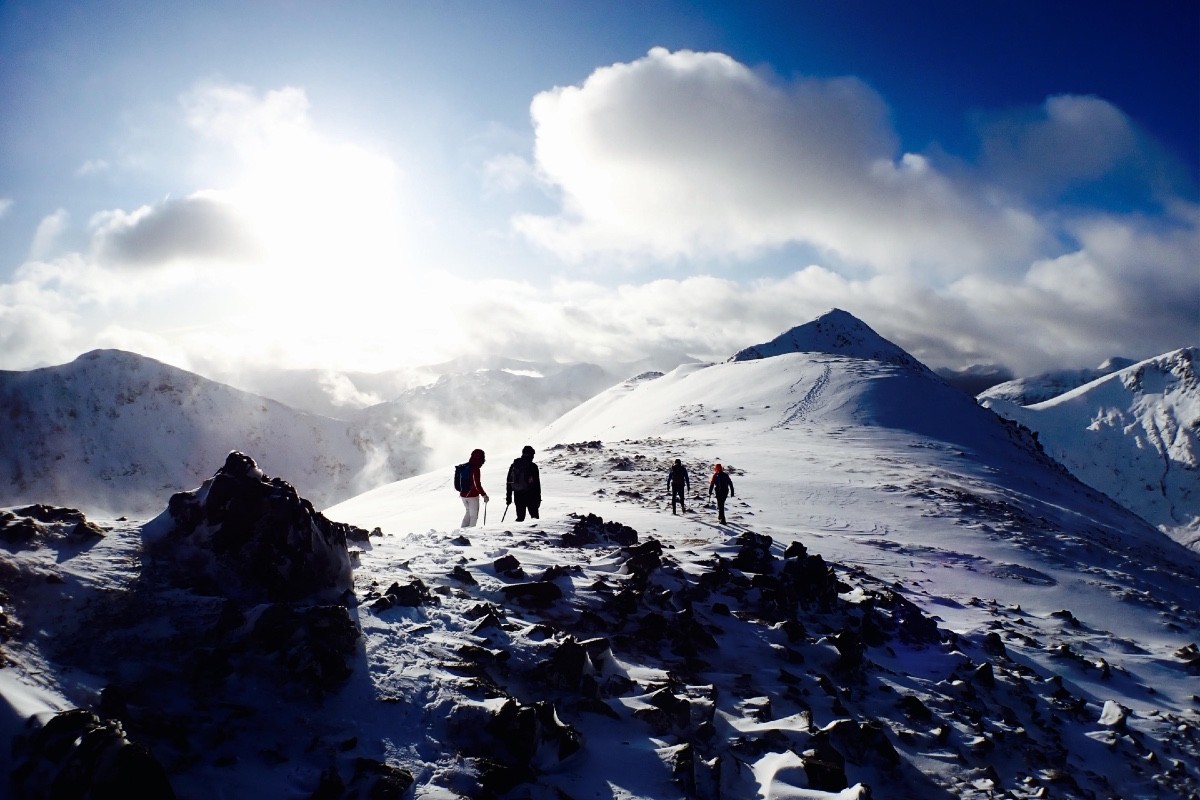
723 484
470 496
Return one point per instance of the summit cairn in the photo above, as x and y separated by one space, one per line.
252 538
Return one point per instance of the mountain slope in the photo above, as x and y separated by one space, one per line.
1134 435
114 432
892 476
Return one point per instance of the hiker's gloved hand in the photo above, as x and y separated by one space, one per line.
485 498
508 499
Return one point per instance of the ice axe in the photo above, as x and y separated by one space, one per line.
505 514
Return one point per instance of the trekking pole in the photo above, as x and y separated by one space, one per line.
485 512
505 514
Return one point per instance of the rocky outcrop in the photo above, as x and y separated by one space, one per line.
246 536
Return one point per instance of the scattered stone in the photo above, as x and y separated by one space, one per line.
509 567
77 754
592 529
87 530
462 575
21 531
535 594
51 514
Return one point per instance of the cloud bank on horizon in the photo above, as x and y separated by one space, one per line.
678 202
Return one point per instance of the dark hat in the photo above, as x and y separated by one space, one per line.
527 450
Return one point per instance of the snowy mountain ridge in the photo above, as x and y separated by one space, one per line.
910 600
1133 434
1048 385
112 431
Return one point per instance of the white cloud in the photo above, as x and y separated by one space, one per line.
198 227
93 166
5 204
296 256
46 237
684 154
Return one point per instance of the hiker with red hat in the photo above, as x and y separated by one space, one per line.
473 491
723 485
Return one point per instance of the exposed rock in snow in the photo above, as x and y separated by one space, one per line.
252 538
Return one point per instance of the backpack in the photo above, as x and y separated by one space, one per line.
679 476
521 479
462 477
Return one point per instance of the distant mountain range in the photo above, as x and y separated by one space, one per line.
1133 433
114 432
1036 389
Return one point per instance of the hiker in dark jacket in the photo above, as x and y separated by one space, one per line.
524 485
677 483
722 484
470 496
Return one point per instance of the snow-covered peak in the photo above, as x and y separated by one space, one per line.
836 332
1039 388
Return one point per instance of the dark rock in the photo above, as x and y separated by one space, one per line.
251 537
460 574
460 541
21 531
51 514
514 741
850 646
914 708
480 610
536 594
824 767
87 530
863 742
592 529
984 675
913 627
412 594
795 550
993 645
312 646
76 754
377 780
508 566
754 553
641 559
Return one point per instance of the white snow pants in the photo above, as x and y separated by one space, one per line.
471 509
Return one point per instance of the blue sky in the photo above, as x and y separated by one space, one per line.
989 182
